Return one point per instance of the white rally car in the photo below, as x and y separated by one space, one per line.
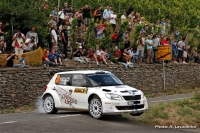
99 92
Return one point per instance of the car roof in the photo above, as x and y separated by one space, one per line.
83 72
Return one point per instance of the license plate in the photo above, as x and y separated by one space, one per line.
130 103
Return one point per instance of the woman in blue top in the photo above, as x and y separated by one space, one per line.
174 50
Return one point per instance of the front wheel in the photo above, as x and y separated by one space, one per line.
49 105
95 108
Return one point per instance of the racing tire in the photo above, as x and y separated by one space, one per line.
136 114
49 105
95 108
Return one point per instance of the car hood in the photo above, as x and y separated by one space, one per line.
120 89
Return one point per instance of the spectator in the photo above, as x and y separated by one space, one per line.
127 44
66 9
10 59
113 20
195 56
18 42
55 57
133 54
156 43
115 38
54 37
2 32
174 51
22 63
52 22
127 57
177 34
125 36
2 45
72 11
30 44
149 44
79 40
84 43
78 55
91 56
101 55
123 18
61 17
97 15
131 17
86 14
140 49
55 11
107 55
78 15
181 44
117 53
32 33
106 13
164 41
65 39
45 59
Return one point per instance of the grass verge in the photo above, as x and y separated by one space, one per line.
18 110
183 112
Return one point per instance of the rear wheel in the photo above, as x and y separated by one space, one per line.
49 105
95 108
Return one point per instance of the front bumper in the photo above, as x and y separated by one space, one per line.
133 106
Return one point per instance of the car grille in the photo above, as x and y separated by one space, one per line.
130 107
136 97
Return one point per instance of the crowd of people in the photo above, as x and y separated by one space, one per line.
60 31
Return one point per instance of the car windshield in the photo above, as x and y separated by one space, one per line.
104 80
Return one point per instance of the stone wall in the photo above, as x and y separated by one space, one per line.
19 87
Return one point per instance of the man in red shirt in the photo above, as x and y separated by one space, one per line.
164 41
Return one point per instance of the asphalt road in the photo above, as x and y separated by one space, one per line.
79 122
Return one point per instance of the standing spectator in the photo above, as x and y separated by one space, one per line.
52 22
149 44
78 15
177 34
164 41
30 44
18 42
156 43
123 18
113 20
79 40
106 13
61 17
174 50
72 11
168 27
65 39
66 9
10 59
86 14
140 49
2 45
55 11
32 33
97 15
54 37
131 17
181 45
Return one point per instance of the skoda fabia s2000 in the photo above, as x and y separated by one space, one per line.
99 92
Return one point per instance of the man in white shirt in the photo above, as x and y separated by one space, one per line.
101 55
54 36
29 44
123 18
113 20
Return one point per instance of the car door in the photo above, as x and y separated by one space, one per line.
80 90
65 90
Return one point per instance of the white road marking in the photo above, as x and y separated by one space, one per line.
168 100
64 116
8 122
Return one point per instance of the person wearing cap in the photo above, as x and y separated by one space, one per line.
78 55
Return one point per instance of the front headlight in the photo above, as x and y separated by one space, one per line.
112 96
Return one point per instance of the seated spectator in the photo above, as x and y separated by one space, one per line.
117 53
107 55
101 55
127 57
133 54
2 45
195 56
30 44
55 57
91 56
10 59
45 59
79 55
22 63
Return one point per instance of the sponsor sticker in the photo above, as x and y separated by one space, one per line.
81 90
